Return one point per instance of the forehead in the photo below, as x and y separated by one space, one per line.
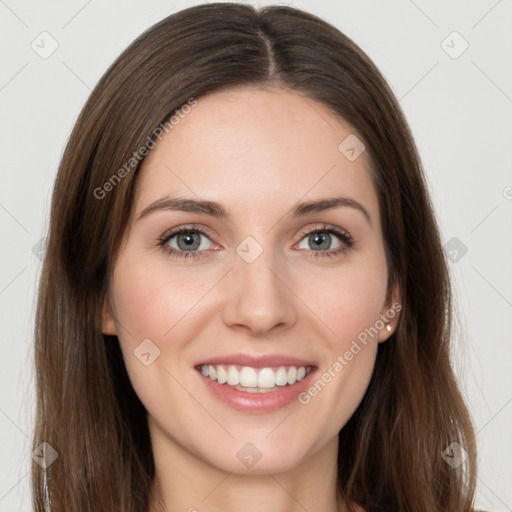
248 147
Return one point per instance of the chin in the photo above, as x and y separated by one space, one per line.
249 459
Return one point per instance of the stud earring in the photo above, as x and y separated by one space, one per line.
388 327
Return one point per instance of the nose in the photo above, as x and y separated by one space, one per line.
258 297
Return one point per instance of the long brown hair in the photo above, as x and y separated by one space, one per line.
390 451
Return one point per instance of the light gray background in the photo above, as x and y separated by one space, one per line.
459 110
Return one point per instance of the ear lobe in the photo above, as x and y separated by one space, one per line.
390 314
108 324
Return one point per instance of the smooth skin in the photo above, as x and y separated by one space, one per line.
258 153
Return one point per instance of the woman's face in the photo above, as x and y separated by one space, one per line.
260 286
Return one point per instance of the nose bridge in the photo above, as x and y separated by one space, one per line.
258 297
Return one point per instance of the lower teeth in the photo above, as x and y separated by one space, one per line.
256 390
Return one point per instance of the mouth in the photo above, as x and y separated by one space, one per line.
255 389
255 380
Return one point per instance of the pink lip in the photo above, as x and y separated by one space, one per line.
257 402
257 361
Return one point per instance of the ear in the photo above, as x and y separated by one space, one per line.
390 314
108 324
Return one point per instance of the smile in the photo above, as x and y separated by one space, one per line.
255 390
255 380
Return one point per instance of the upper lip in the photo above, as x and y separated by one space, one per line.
257 361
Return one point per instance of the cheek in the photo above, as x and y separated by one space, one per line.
153 303
150 304
150 301
350 304
350 301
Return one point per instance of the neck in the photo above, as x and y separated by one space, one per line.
184 482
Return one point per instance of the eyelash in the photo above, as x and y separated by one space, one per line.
345 238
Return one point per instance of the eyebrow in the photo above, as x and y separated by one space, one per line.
214 209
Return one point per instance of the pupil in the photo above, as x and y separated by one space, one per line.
186 241
321 241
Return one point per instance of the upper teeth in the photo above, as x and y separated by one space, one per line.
249 377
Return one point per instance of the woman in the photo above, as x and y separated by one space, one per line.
244 303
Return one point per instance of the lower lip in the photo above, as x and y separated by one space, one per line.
257 402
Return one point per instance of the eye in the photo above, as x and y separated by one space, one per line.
184 242
193 241
320 241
